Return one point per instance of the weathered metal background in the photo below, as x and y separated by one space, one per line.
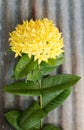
68 15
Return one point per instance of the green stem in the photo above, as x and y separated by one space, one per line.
41 121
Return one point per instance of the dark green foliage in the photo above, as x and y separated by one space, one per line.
50 127
13 118
53 90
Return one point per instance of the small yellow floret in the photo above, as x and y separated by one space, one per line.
39 38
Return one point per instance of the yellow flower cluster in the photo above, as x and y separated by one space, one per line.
39 38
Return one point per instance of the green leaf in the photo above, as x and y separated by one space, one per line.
24 66
47 70
13 118
33 129
49 85
47 98
31 116
56 62
27 112
22 88
37 126
34 75
57 100
52 64
58 82
50 127
60 60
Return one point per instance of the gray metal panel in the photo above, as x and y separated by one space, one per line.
68 15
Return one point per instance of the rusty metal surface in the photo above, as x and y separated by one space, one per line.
68 15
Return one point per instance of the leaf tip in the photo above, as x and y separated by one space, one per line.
78 77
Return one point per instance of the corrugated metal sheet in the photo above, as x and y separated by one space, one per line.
68 15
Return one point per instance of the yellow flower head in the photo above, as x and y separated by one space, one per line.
39 38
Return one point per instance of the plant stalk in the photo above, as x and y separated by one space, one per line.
41 121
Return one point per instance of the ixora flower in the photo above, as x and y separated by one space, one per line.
40 45
39 38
